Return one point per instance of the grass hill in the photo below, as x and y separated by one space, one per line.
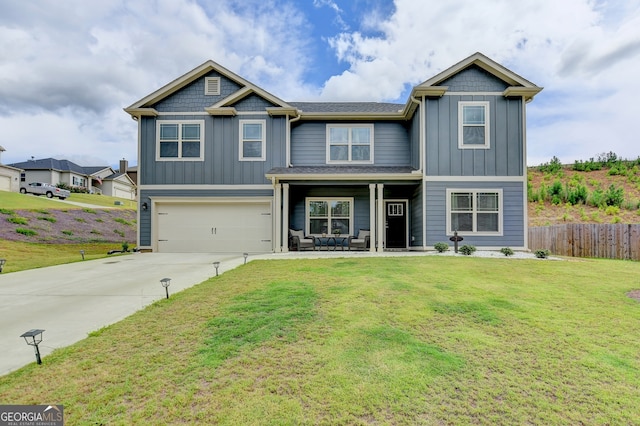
602 190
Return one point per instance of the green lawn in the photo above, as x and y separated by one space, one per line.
411 340
17 201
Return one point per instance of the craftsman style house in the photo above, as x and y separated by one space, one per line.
225 166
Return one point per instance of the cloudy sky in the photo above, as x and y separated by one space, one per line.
67 68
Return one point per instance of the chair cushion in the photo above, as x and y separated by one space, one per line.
296 233
362 234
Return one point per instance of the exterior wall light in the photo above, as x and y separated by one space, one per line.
165 283
216 265
145 206
33 338
245 257
2 262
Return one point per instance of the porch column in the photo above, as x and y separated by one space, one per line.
285 217
381 222
277 217
372 217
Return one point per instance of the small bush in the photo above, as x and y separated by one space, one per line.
27 232
122 221
467 249
18 220
99 220
117 231
441 247
542 253
66 232
96 232
79 219
7 211
553 167
125 246
506 251
614 196
48 219
92 211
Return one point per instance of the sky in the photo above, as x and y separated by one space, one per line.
68 68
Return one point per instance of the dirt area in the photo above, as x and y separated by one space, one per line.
634 294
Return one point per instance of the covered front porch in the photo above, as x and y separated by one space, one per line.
335 212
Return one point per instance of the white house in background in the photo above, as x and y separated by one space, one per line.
97 179
9 176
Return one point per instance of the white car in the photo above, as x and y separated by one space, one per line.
42 188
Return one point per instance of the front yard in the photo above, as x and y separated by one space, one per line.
411 340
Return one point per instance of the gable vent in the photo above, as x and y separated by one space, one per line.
212 86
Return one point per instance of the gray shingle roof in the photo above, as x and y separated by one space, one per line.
60 165
347 107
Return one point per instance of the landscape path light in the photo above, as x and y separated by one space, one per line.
165 283
245 257
82 254
33 338
216 265
2 262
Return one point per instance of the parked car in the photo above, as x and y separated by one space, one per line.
42 188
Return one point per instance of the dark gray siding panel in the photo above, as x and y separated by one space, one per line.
474 79
513 213
503 158
221 163
253 103
392 144
144 227
415 221
414 136
192 98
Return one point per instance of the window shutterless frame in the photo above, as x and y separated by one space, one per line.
349 143
475 212
473 125
252 135
329 215
179 140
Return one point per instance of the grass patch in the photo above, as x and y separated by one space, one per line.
48 219
122 221
67 232
18 220
416 340
27 232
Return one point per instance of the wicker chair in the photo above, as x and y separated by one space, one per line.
298 241
361 241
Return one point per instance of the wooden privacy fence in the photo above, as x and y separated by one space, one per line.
613 241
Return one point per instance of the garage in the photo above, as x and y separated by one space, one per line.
5 183
216 227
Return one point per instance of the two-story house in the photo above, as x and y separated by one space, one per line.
225 166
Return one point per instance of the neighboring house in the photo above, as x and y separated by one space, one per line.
100 179
225 166
9 176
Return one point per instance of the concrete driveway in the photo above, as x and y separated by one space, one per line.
69 301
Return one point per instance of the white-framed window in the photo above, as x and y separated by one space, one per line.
349 143
253 140
474 211
328 216
180 140
212 86
473 125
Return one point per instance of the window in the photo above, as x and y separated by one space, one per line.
474 211
349 143
23 177
252 140
473 125
180 140
328 216
212 85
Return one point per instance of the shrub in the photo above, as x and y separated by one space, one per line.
66 232
553 167
18 220
612 210
79 219
614 196
27 232
506 251
124 222
577 195
441 247
7 211
117 231
125 246
467 249
542 253
92 211
48 219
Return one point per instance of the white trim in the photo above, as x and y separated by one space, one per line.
307 231
201 114
474 191
474 94
285 217
364 177
349 143
149 187
380 216
263 140
207 114
475 178
486 125
180 141
372 217
525 182
212 86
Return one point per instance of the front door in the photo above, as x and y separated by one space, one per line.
396 224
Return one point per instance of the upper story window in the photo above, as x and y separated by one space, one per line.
180 140
349 143
474 211
473 125
252 140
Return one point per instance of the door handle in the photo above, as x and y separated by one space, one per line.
214 231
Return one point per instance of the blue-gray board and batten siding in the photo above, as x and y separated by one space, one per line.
513 226
145 195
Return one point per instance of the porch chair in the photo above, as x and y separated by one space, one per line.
361 241
298 241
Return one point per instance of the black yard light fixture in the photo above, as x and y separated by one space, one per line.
216 265
2 262
245 257
82 254
165 283
145 206
33 338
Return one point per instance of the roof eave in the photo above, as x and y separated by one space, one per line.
364 177
527 92
352 115
141 112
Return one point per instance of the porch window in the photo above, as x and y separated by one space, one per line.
329 216
474 212
349 143
180 140
473 125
